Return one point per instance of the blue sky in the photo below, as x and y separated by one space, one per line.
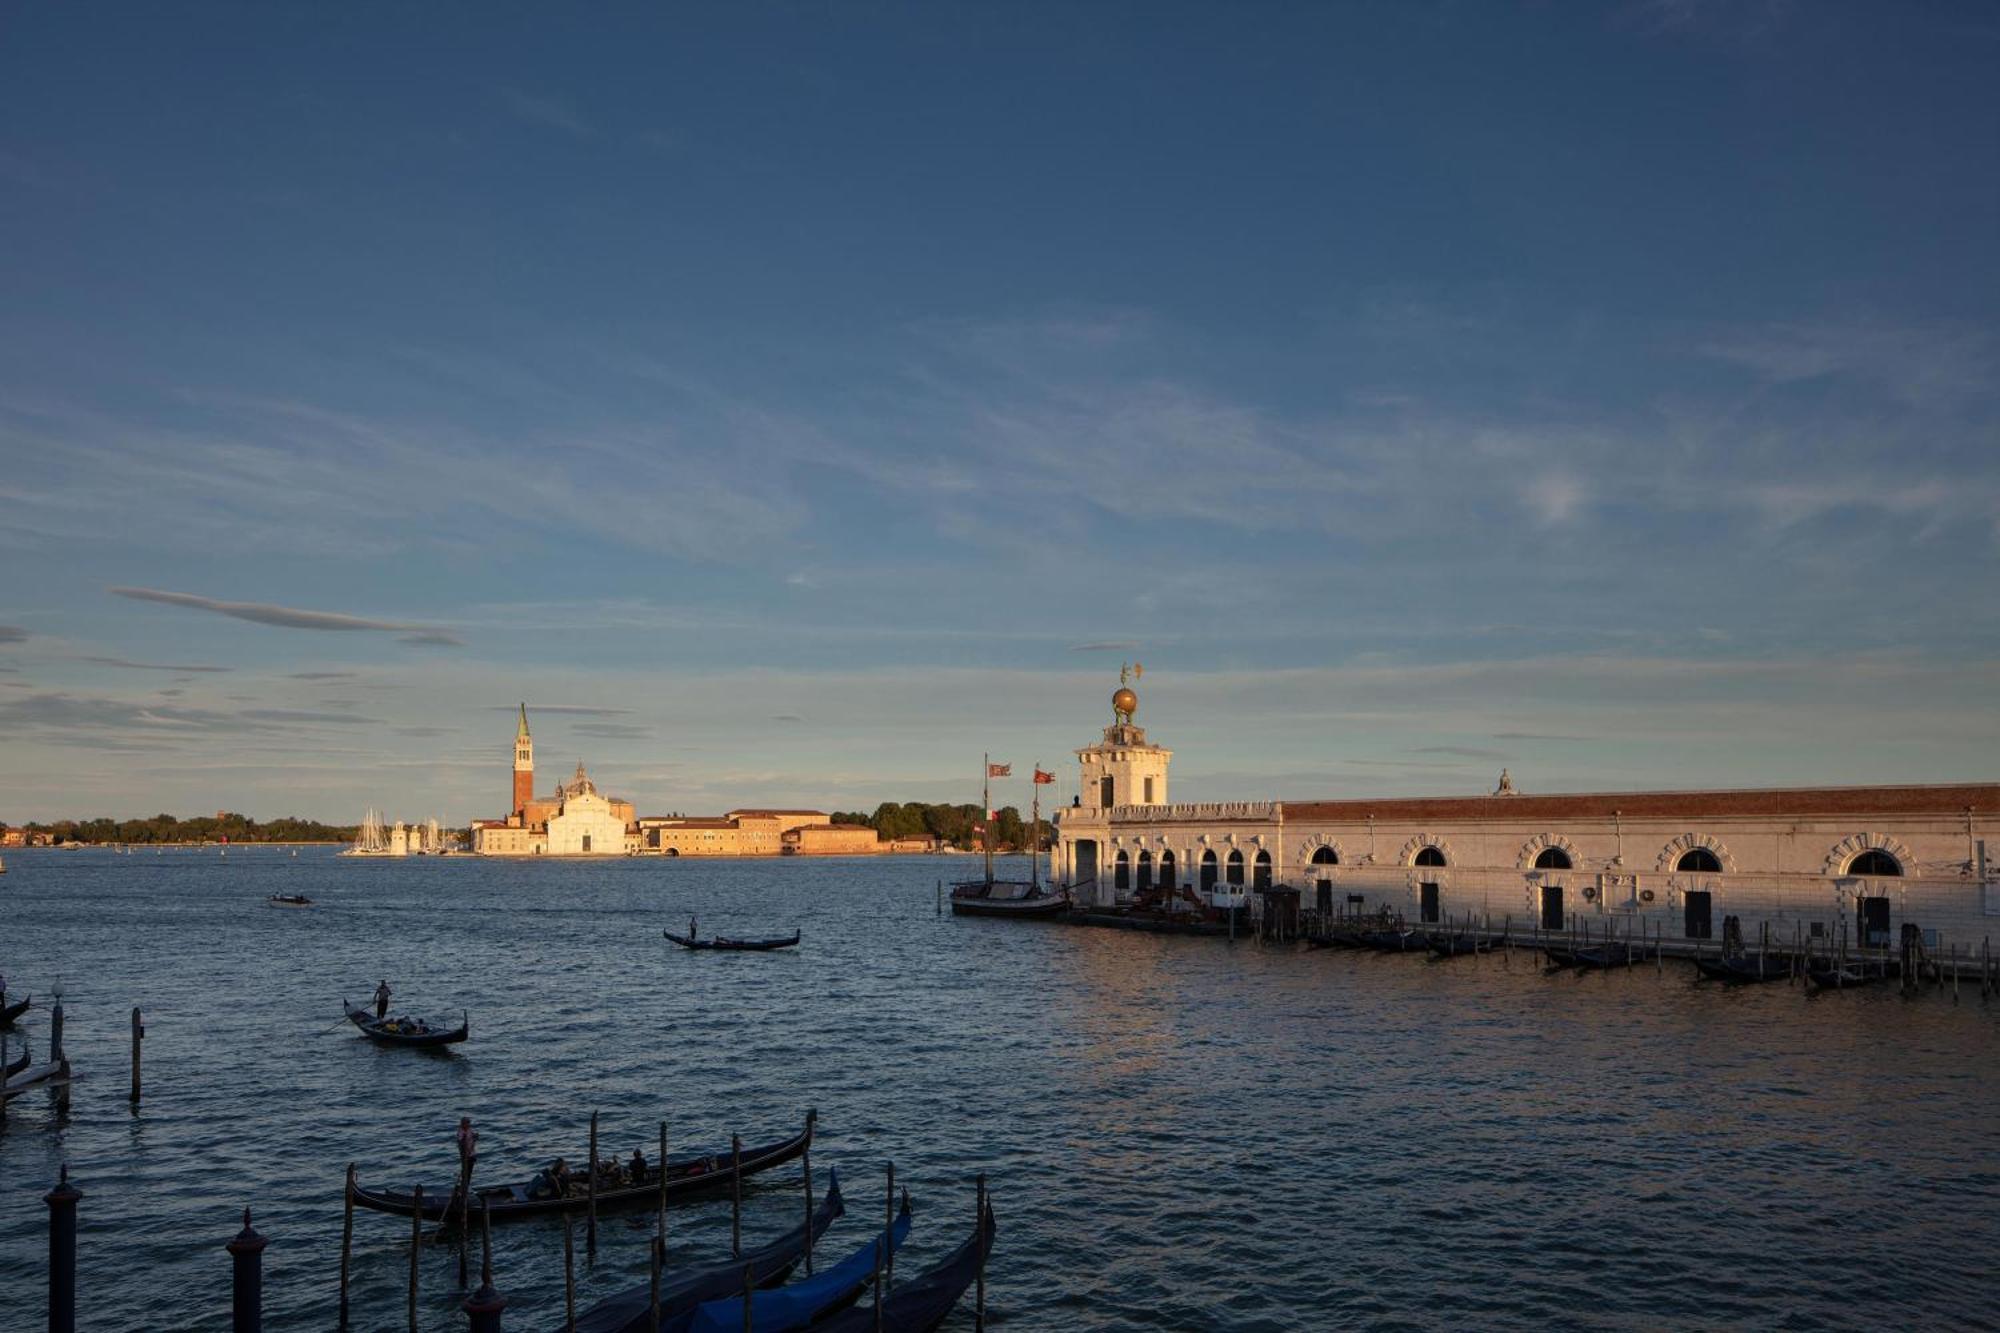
793 402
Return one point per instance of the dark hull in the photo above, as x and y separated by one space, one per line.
14 1011
374 1030
1458 946
805 1301
1007 897
1393 941
1031 909
723 944
15 1067
1605 956
925 1301
1854 974
687 1175
1744 971
630 1311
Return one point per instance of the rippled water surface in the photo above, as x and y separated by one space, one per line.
1179 1133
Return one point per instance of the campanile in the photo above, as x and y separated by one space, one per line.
524 764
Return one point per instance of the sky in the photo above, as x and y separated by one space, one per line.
793 403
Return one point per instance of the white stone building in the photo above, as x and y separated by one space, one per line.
1811 862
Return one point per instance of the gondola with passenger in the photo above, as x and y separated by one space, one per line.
560 1191
405 1031
11 1012
725 944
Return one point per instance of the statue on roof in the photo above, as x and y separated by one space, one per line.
1506 787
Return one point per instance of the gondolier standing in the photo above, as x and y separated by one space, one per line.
692 932
468 1146
382 1000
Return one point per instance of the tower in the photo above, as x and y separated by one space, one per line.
1124 768
524 765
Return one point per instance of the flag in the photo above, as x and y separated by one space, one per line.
1044 778
999 770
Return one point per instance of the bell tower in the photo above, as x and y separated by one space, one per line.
524 765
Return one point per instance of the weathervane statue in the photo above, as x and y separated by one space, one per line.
1126 701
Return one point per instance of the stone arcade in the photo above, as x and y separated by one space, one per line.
1814 860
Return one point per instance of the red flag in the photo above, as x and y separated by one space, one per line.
1045 778
999 770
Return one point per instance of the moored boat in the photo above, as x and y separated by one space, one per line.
1824 974
1742 969
530 1198
925 1301
405 1031
801 1303
630 1311
8 1013
288 900
1007 897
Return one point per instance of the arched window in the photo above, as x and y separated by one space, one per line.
1121 874
1429 856
1325 856
1236 868
1167 871
1261 876
1552 858
1700 861
1145 871
1876 862
1208 869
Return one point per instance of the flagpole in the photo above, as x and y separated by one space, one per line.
1035 837
986 809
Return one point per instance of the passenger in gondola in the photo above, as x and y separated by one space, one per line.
638 1167
382 1000
552 1182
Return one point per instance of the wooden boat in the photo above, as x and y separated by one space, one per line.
15 1010
630 1311
288 900
1025 899
724 944
1742 970
1392 941
925 1301
406 1031
1459 945
685 1175
799 1304
1598 957
15 1067
1825 975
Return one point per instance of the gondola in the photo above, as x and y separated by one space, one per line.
1743 970
630 1311
15 1010
1598 957
288 900
723 944
925 1301
1392 941
800 1303
406 1031
16 1066
1834 976
685 1175
1457 946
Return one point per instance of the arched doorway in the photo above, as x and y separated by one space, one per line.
1235 868
1260 873
1145 871
1121 873
1430 907
1208 870
1167 871
1552 858
1871 905
1322 859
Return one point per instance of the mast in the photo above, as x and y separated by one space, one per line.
986 808
1035 837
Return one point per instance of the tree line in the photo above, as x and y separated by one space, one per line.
201 828
955 825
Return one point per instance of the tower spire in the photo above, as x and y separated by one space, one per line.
521 732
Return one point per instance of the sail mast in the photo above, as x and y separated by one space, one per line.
986 809
1035 836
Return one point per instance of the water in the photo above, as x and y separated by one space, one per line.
1179 1133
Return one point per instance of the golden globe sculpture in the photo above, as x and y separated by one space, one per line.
1125 703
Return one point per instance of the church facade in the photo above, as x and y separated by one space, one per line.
1818 863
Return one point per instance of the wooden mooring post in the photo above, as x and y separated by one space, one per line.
660 1234
416 1248
590 1227
749 1296
569 1273
889 1228
806 1174
138 1035
979 1248
346 1238
483 1307
58 1057
736 1195
246 1291
62 1253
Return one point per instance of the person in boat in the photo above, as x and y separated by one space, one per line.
692 933
552 1182
382 1000
638 1167
467 1139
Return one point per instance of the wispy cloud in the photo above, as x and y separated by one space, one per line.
1927 367
286 617
12 634
577 710
552 112
181 668
322 675
1106 646
611 731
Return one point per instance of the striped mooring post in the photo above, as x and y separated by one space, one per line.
62 1254
246 1302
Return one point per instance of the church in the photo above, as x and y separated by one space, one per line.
1817 862
574 820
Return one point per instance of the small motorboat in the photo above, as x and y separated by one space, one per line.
288 900
724 944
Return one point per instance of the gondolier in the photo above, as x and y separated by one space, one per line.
382 1000
468 1146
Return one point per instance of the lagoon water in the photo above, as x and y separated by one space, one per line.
1179 1134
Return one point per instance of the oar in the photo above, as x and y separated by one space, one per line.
336 1027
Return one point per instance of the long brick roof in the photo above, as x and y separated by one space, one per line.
1781 802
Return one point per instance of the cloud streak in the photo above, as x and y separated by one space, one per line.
151 666
287 617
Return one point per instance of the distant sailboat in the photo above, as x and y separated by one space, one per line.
371 840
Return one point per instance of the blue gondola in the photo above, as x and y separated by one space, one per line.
797 1304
